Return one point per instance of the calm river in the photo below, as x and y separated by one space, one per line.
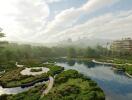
116 85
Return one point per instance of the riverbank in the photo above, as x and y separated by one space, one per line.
102 63
72 85
117 64
127 68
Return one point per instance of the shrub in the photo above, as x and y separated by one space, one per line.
36 70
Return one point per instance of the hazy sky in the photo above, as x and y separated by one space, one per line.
55 20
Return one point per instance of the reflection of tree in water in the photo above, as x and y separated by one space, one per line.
60 60
71 62
119 72
79 61
89 64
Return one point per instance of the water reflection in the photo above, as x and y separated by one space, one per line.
16 90
89 64
115 84
71 62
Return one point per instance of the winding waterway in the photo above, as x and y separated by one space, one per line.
116 85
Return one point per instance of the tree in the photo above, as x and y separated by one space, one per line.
80 52
1 35
91 53
2 44
71 53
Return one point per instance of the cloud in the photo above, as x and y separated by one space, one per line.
23 18
52 1
64 19
32 15
27 20
69 17
93 5
110 25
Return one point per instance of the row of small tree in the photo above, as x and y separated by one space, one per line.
87 52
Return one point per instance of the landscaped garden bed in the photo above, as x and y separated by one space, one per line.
32 94
13 78
36 70
70 85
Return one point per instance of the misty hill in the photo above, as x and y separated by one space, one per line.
85 42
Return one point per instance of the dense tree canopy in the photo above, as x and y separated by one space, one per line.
72 53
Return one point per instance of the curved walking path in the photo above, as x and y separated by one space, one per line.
105 63
50 85
19 65
112 64
27 71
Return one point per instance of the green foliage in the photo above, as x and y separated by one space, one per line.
9 79
64 76
3 97
128 69
70 85
54 69
91 53
29 55
36 70
72 53
2 35
32 94
7 65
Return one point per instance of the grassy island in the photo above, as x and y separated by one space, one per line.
13 78
70 85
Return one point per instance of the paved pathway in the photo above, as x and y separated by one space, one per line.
50 85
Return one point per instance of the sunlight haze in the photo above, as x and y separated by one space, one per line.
47 21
